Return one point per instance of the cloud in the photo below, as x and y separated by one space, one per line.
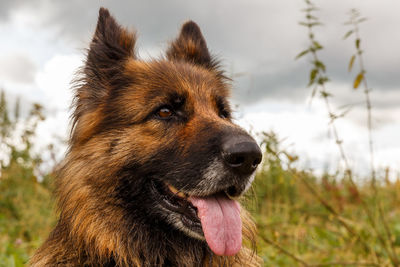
305 131
18 68
6 6
54 80
260 38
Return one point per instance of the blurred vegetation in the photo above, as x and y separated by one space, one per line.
309 220
303 219
26 206
327 220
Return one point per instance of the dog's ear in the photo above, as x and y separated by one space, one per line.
110 47
103 73
190 46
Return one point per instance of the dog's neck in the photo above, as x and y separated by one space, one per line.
104 234
140 247
134 249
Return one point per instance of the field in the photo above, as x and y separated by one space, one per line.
303 220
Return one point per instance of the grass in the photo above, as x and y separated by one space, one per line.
295 227
26 214
305 220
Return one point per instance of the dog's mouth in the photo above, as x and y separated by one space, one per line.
177 202
215 217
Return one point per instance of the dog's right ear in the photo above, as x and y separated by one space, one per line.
103 73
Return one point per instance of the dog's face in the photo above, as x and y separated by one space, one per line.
175 152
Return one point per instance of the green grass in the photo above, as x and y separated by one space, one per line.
305 220
291 217
26 214
295 228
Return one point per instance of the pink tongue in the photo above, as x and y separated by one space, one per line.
221 223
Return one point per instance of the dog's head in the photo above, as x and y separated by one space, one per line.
163 129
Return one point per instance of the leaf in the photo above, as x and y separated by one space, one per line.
361 20
333 117
339 142
317 45
310 17
325 94
310 24
358 43
358 80
309 9
352 62
319 65
302 53
348 34
315 24
313 75
322 80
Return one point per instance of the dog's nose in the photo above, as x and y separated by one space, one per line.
241 153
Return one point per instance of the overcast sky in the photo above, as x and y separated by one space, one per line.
42 43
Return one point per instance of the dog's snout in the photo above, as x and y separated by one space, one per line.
241 153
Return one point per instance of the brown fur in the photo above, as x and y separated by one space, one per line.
113 98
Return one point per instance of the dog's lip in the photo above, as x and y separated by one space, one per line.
181 199
179 203
186 196
177 192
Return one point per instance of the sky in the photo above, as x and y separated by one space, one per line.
43 42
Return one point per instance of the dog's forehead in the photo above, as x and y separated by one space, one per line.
162 77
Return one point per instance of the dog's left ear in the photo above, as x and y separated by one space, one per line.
190 46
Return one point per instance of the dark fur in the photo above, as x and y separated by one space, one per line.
121 152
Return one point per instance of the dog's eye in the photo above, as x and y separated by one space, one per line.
164 113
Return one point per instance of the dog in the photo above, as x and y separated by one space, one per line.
155 165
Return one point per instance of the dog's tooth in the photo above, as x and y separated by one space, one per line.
177 192
180 194
173 189
232 198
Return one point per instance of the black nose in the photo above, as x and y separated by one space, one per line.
241 153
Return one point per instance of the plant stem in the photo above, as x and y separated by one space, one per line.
368 106
355 20
284 251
